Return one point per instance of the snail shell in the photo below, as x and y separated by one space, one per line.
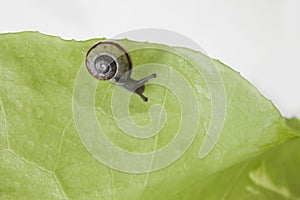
108 60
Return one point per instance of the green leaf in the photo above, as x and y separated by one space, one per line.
42 155
272 175
294 125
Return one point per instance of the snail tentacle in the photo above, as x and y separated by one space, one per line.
108 60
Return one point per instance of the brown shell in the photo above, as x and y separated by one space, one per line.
112 54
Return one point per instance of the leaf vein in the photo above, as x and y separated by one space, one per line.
60 142
5 123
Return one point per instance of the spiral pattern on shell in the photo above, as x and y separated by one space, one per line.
108 60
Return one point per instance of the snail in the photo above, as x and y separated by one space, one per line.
108 60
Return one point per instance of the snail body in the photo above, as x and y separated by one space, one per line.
108 60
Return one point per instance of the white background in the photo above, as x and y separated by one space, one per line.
259 38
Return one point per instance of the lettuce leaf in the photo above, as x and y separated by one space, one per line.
42 155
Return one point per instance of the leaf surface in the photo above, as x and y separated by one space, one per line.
42 155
